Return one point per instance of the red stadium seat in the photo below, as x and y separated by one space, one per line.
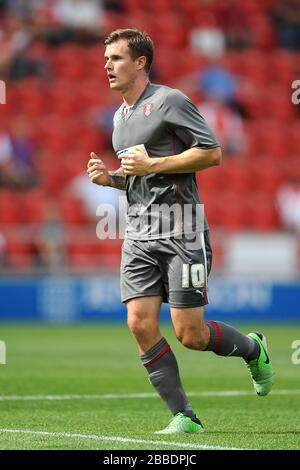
69 63
283 67
132 5
266 176
112 21
71 210
208 181
9 207
19 254
291 167
31 96
278 103
225 211
254 67
32 206
237 176
86 249
261 212
269 137
251 98
293 134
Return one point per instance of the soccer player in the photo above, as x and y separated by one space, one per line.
162 140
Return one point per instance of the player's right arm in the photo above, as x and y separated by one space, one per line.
99 174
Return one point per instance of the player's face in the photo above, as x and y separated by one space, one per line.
121 68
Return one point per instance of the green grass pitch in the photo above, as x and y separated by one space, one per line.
53 373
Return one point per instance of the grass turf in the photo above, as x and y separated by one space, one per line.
102 359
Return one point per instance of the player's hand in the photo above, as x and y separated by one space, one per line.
97 170
136 163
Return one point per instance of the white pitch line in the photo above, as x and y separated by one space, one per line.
111 396
120 439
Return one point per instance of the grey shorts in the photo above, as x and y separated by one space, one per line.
174 268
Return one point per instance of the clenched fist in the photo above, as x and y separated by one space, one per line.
97 170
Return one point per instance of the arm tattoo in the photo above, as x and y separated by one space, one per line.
117 180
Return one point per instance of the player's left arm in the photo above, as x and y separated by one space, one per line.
190 160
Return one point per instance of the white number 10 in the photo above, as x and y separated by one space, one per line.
197 275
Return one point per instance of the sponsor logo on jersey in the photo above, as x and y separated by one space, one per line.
148 108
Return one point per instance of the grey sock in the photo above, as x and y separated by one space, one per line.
162 368
227 341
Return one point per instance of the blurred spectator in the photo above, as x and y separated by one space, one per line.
213 81
17 155
92 196
5 157
48 244
207 38
235 22
3 253
286 17
102 116
3 5
116 6
5 147
227 124
288 203
78 20
26 8
15 38
217 82
79 13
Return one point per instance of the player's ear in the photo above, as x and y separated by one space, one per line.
141 62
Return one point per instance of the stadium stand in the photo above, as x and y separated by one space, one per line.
68 83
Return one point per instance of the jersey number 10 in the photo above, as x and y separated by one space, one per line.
197 274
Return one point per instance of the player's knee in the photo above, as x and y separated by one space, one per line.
193 339
140 328
134 324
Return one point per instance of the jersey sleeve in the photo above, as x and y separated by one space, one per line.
183 118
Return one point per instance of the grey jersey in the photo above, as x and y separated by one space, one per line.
167 123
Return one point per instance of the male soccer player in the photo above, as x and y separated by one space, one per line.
162 140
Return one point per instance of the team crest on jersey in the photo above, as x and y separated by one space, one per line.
148 108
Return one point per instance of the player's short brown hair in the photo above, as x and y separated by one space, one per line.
139 44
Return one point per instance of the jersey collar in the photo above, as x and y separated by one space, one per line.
132 108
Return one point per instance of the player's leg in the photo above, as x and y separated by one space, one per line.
143 321
188 295
224 340
140 274
159 360
187 277
195 333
